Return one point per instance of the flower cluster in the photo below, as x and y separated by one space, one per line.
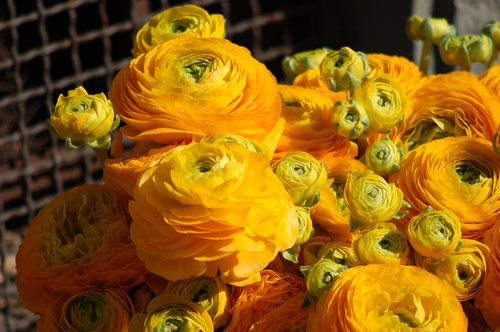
364 195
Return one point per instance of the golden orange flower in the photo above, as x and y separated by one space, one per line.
78 241
488 298
99 310
178 21
308 127
491 79
273 304
387 297
205 209
458 174
451 104
187 88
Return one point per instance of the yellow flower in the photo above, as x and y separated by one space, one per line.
302 175
349 119
188 87
434 233
99 310
388 297
370 199
301 62
80 240
458 174
249 144
81 118
491 79
463 50
210 293
343 69
384 101
178 21
307 127
488 298
169 312
381 243
463 269
273 304
451 104
208 209
383 157
321 275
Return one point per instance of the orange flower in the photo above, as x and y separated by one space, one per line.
191 87
452 104
491 79
308 126
273 304
458 174
78 241
387 297
99 310
488 299
214 208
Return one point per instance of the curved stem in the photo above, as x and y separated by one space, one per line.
425 57
102 155
493 59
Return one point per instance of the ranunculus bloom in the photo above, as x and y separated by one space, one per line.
308 127
381 243
459 174
81 118
451 104
491 79
383 157
384 101
343 69
178 21
464 269
214 208
387 297
187 87
273 304
209 293
349 119
463 50
99 310
321 275
302 175
434 233
488 298
370 198
80 240
170 312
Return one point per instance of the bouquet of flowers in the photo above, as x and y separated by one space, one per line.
362 196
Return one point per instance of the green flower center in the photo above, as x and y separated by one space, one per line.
196 69
471 173
87 313
170 324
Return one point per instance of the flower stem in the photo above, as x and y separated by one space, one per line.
425 57
101 154
493 59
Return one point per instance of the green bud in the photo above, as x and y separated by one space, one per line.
435 29
349 119
320 276
343 69
300 62
463 50
413 27
492 30
383 157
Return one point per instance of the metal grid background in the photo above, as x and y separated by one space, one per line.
50 46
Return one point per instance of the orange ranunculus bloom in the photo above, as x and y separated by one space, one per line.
178 21
205 209
491 79
387 297
308 126
187 87
459 174
488 299
78 241
451 104
399 68
273 304
99 310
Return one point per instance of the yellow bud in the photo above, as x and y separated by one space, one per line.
463 50
306 229
413 27
82 118
435 29
434 233
342 253
383 157
302 175
349 119
321 276
492 30
343 69
300 62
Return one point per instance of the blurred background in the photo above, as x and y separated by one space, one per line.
48 47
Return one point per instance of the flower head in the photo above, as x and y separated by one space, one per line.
383 157
300 62
178 21
463 50
349 119
321 275
81 118
343 69
430 29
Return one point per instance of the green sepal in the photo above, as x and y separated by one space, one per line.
292 254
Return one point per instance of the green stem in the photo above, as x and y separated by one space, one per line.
101 154
493 59
425 57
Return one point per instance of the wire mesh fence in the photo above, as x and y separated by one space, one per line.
50 46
